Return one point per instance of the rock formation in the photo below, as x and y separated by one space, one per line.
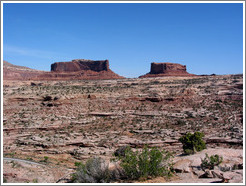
167 69
80 64
74 70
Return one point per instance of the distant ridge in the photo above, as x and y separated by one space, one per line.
6 64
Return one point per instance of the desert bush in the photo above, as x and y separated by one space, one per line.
95 170
4 180
47 98
210 161
77 164
146 163
45 160
192 142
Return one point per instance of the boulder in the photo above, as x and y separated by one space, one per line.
182 166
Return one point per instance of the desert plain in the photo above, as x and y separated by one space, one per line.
50 125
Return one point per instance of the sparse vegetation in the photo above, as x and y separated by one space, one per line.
95 170
69 130
209 162
146 163
4 180
35 180
192 142
45 160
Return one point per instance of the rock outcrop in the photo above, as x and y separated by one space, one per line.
80 64
75 70
167 69
230 170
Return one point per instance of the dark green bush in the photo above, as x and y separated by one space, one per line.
77 164
192 142
95 170
146 163
210 161
47 98
46 158
120 151
4 180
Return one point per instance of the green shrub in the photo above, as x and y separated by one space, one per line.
4 180
95 170
210 161
35 180
192 142
46 158
147 163
77 164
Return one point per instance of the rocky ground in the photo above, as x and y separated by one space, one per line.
58 123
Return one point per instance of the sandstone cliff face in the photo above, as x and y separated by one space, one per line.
164 68
80 64
81 69
167 69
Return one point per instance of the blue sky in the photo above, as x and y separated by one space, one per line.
207 37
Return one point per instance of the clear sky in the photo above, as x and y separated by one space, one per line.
208 38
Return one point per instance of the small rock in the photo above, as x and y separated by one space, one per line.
207 174
182 166
198 173
217 174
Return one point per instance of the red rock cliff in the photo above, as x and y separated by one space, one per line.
167 69
80 64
